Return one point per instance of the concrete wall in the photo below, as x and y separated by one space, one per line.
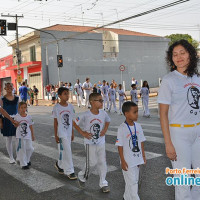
143 57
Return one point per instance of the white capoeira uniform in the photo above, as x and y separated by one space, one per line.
64 116
144 91
132 158
182 94
104 93
87 92
79 96
134 96
121 99
24 139
95 147
112 98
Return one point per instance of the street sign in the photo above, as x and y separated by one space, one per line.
122 68
19 78
2 27
19 71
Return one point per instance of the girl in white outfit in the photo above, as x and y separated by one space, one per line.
144 93
121 98
180 113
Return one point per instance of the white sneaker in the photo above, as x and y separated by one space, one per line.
12 161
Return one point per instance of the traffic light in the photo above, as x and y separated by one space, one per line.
60 60
2 27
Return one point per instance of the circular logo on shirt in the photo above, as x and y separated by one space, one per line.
193 95
23 129
65 120
95 130
134 148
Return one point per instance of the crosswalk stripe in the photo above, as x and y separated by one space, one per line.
51 152
36 180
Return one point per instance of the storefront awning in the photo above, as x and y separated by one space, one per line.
27 64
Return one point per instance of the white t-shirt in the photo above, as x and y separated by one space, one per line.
93 124
79 88
87 85
112 93
121 92
124 139
104 90
23 130
144 91
64 115
182 94
133 93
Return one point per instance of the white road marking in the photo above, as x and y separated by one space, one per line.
36 180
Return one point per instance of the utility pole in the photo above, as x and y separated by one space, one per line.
18 52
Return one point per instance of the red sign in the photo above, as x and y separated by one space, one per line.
122 68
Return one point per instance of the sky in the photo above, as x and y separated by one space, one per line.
183 18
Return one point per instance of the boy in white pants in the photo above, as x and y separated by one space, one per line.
130 142
112 97
121 98
104 93
24 136
79 93
63 114
87 88
95 124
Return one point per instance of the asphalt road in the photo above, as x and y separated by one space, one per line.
42 182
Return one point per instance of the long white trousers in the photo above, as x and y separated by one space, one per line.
145 102
95 159
105 101
87 103
120 105
65 156
79 99
186 142
113 102
131 178
9 146
24 151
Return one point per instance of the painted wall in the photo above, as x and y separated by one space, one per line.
143 57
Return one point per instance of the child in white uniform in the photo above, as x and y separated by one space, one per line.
63 114
87 88
144 93
112 97
121 97
133 93
24 136
104 93
130 142
79 92
95 124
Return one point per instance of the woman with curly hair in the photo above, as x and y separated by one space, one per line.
179 104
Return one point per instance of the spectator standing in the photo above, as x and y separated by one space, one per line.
23 92
35 91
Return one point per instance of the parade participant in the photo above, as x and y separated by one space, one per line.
144 94
133 93
99 87
178 100
24 136
104 93
9 102
95 123
70 87
130 142
79 92
121 98
87 87
134 81
63 114
94 89
112 97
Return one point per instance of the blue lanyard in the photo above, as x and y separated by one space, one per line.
134 138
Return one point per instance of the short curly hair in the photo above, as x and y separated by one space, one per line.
192 68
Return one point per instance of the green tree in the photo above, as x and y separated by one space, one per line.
176 37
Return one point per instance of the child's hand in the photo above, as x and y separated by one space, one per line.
15 123
57 139
33 138
72 138
103 132
124 165
87 135
145 161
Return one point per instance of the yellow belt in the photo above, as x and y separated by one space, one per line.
184 125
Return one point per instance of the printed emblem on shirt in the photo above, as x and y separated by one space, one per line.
134 148
95 130
193 95
65 119
23 129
